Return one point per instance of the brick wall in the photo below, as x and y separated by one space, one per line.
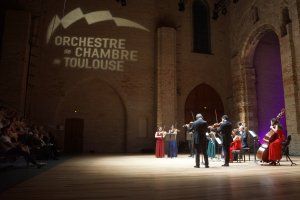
246 31
166 77
134 90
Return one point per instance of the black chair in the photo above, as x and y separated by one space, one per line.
237 155
241 154
286 150
246 150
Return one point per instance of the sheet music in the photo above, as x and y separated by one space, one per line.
218 141
252 134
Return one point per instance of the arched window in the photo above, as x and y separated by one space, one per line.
201 25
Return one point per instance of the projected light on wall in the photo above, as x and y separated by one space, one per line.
88 52
269 84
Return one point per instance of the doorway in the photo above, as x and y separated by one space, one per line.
269 83
205 100
73 140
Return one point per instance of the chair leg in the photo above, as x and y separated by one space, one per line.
292 163
240 156
249 154
278 162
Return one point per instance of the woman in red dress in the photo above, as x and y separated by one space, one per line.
160 147
236 144
275 146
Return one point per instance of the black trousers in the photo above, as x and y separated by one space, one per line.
201 148
226 150
191 147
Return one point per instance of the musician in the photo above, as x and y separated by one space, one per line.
225 130
172 143
190 139
160 146
211 147
235 144
275 142
199 127
243 134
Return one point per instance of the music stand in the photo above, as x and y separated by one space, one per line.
254 136
285 149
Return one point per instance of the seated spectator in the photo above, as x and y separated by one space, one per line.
11 149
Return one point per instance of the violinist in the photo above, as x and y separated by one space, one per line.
199 127
235 144
225 130
160 146
211 147
189 138
172 143
275 143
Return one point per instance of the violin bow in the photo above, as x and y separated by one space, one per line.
216 115
193 115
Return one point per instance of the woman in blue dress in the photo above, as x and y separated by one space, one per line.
211 147
172 144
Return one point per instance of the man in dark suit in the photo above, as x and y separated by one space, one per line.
225 130
199 127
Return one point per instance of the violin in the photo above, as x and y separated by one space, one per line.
215 126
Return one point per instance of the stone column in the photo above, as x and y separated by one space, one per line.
250 98
238 89
289 75
166 77
290 59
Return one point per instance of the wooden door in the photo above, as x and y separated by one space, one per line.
205 100
74 135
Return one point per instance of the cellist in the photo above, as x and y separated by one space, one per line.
275 143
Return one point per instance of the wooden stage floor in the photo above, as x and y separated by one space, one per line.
140 177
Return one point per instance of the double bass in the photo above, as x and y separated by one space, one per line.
263 151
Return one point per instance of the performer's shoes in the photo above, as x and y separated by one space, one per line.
196 166
206 166
225 165
272 163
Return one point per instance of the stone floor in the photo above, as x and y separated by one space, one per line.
146 177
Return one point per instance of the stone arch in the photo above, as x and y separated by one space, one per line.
251 42
249 76
103 111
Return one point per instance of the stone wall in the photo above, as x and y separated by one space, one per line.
14 62
55 93
249 21
166 77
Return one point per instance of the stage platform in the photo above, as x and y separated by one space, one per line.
141 177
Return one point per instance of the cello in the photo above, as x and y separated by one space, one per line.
263 151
